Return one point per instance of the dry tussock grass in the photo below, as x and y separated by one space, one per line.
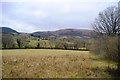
50 66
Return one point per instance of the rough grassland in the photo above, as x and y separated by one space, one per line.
45 63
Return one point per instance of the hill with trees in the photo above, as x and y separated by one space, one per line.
60 39
82 33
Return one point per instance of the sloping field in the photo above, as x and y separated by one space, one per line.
45 63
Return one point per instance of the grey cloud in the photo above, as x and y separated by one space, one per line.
54 15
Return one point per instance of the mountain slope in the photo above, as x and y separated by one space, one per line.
7 30
83 33
74 32
65 32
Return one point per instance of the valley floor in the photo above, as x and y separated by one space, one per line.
45 63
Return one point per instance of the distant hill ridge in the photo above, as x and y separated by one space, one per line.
65 32
7 30
58 33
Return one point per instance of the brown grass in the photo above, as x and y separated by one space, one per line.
53 64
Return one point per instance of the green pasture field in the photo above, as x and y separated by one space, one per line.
46 63
43 43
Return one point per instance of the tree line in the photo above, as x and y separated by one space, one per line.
25 41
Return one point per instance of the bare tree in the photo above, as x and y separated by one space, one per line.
8 41
108 22
22 40
108 25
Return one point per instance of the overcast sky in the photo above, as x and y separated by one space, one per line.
50 15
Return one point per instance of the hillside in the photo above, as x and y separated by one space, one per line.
81 33
7 30
84 33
